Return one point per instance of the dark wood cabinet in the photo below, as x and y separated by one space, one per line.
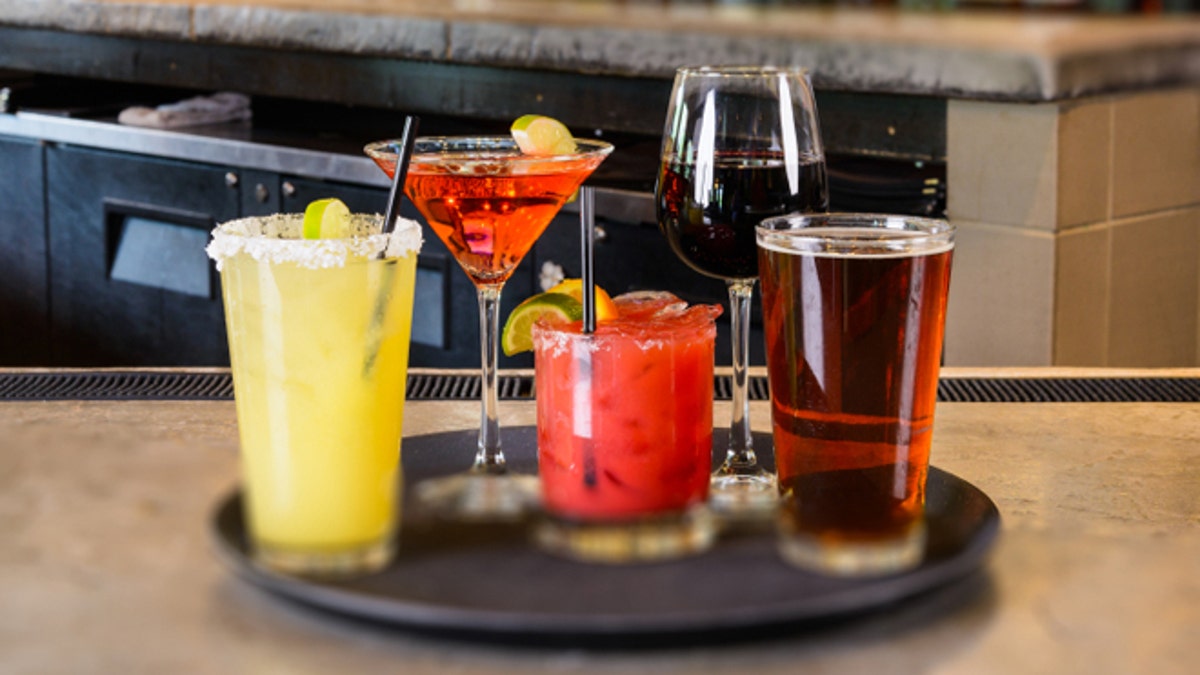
103 225
108 207
108 269
129 280
129 283
24 292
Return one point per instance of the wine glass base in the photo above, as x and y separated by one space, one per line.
752 494
478 496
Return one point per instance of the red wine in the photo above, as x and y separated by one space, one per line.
708 213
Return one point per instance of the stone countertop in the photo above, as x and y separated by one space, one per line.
963 55
106 566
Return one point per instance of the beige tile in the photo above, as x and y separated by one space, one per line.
1001 297
1081 297
1084 162
1002 163
1156 151
1155 287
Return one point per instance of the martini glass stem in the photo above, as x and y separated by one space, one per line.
489 459
740 458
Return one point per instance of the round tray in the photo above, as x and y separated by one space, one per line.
488 581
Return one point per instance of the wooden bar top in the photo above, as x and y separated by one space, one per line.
106 565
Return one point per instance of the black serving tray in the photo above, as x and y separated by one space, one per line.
488 581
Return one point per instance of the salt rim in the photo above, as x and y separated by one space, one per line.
279 238
688 321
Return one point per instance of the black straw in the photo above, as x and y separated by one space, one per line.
408 137
587 226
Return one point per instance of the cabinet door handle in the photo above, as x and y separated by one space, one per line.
287 189
261 193
231 179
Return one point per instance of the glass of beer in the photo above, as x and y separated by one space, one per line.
854 313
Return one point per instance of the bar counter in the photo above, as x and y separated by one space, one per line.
1068 142
107 566
972 55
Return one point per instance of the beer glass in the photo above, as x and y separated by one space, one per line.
854 313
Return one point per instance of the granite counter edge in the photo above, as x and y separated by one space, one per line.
838 64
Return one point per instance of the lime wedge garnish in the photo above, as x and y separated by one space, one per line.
326 219
541 135
517 335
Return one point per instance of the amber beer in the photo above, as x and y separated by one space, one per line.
854 311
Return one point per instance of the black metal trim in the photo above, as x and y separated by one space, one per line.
218 386
114 385
1070 390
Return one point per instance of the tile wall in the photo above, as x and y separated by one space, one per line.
1079 231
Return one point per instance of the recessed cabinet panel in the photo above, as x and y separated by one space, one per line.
159 248
107 311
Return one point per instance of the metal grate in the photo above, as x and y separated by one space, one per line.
134 385
756 388
443 387
1082 390
115 385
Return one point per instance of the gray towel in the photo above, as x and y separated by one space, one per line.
221 107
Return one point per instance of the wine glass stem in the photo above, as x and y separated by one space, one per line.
740 457
489 459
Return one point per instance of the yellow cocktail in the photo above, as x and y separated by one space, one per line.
318 339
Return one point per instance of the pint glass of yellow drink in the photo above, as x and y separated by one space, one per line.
318 339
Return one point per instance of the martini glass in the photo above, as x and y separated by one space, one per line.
741 144
488 203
